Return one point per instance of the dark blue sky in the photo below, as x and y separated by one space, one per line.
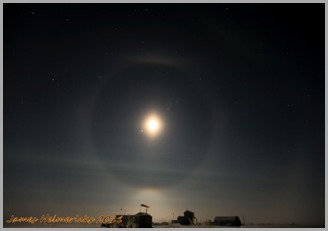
239 89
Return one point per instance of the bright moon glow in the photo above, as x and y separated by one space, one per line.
152 125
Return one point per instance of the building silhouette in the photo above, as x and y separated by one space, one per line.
187 219
139 220
227 221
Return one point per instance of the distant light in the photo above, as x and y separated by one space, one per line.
152 125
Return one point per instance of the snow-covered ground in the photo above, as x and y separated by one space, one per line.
24 225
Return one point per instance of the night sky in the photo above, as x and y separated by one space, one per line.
238 89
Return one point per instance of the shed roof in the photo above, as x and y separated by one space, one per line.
142 214
226 218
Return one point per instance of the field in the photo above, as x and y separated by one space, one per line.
163 225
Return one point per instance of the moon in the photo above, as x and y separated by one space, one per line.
152 125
